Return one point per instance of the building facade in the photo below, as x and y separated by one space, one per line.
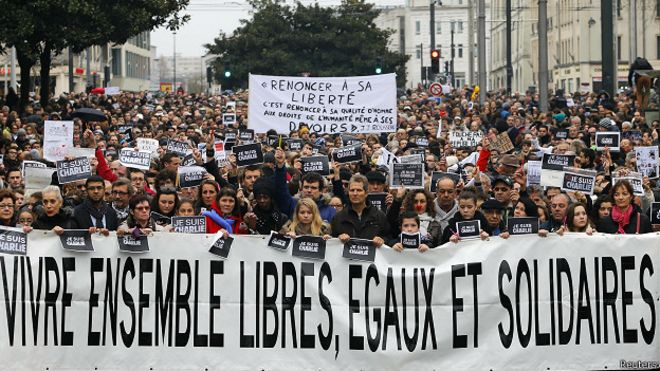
412 36
574 42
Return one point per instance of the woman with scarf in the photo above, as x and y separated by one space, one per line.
54 216
265 216
225 214
420 202
626 217
139 222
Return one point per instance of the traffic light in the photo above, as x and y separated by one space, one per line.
227 71
209 74
435 61
379 66
446 66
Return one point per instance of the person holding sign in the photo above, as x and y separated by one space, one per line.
139 222
306 221
54 217
164 204
577 220
625 217
358 220
7 211
410 224
225 214
94 214
265 216
467 211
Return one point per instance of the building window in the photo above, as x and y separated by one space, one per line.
116 61
438 29
418 52
618 8
460 50
418 27
618 47
657 46
460 27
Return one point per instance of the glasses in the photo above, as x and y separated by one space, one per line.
6 206
142 208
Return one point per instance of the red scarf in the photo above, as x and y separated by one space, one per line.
621 217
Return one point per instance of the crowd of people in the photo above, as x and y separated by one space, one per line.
479 184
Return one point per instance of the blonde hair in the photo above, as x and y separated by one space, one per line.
316 224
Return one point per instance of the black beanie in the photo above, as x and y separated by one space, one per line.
263 186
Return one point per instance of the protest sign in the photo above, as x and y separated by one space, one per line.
246 135
349 140
386 158
533 172
422 141
552 169
248 154
437 175
278 241
360 250
654 210
633 135
561 134
188 160
523 225
191 176
318 164
344 155
294 144
460 139
72 170
81 152
221 246
647 161
502 143
608 139
310 247
148 144
180 148
220 154
411 159
38 177
189 224
112 90
377 200
31 164
450 297
58 138
76 240
468 229
13 241
407 175
136 159
130 243
410 240
578 180
230 135
360 104
229 118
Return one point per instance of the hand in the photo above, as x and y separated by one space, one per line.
327 237
454 238
398 247
224 233
250 219
280 157
484 235
562 230
27 229
378 242
291 234
147 231
590 231
543 233
504 235
400 193
389 199
335 173
240 195
423 248
344 237
197 156
58 230
120 232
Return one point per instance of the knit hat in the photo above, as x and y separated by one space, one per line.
263 186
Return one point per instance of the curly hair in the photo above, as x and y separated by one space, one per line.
409 201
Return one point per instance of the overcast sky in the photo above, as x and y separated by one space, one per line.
209 17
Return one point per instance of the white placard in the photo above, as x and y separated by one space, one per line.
358 104
58 139
148 144
647 161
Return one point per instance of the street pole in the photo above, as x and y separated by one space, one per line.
608 47
481 44
632 37
451 68
432 29
71 85
174 64
421 62
14 85
543 55
509 67
88 64
470 30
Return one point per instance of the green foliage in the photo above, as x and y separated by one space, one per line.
322 41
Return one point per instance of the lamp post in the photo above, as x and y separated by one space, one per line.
174 63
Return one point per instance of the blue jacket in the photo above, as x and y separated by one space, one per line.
287 203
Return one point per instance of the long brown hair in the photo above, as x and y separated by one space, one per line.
409 201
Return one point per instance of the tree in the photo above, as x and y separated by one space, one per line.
40 29
321 41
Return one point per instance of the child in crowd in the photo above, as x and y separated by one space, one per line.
410 224
307 221
467 211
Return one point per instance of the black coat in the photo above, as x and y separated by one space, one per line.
607 225
63 219
372 223
451 226
84 220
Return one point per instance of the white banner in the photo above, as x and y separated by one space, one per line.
526 303
357 104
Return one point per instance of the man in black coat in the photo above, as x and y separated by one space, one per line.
94 213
